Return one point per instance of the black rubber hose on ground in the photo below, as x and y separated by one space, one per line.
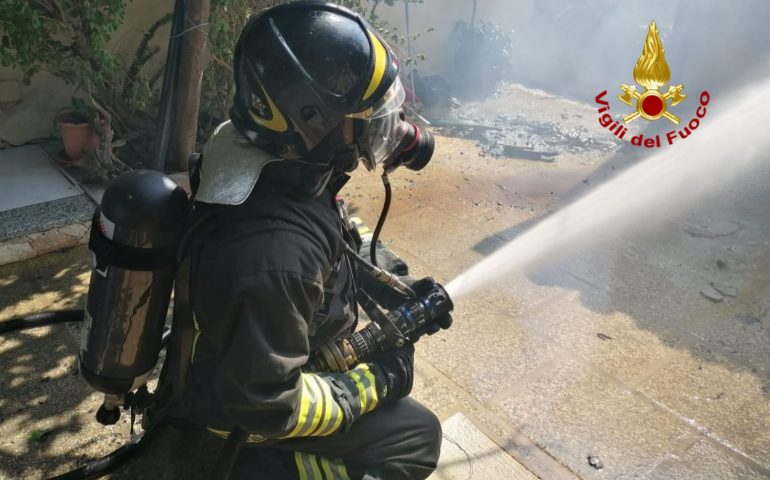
52 318
40 320
102 466
381 221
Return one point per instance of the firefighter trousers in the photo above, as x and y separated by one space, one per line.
401 441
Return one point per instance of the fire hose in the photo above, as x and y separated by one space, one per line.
100 466
387 330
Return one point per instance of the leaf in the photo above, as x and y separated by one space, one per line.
36 436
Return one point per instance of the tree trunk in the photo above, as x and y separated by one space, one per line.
188 85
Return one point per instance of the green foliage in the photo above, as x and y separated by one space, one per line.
70 39
226 20
36 436
65 37
132 84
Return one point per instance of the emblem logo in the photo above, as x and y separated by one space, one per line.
651 71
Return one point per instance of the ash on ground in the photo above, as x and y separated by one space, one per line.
521 133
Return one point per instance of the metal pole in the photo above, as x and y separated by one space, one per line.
162 133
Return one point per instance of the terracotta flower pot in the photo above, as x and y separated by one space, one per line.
76 135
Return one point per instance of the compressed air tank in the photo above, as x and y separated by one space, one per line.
135 235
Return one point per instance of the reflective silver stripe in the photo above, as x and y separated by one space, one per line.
313 467
316 468
301 468
361 404
375 399
342 469
334 469
324 405
303 406
333 415
367 400
312 405
327 469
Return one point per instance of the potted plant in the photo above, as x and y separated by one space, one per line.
69 38
76 132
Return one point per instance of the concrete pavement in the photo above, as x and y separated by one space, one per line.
643 356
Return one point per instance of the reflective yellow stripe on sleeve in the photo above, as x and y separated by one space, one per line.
318 409
304 406
332 412
319 400
365 382
361 390
370 376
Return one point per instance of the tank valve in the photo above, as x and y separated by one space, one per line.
109 412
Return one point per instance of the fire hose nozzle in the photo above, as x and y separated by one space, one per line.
386 331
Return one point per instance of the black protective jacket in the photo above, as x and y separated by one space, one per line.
270 282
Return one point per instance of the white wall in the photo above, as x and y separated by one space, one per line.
441 15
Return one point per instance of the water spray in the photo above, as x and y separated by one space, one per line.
729 146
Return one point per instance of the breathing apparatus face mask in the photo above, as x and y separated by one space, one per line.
385 137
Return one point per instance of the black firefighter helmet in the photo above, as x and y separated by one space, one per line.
301 68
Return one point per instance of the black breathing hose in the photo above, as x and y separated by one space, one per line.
381 221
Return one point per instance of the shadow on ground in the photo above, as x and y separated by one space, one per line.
46 410
644 274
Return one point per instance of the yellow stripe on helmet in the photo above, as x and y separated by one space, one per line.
380 63
277 123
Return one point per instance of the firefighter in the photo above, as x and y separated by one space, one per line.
317 93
